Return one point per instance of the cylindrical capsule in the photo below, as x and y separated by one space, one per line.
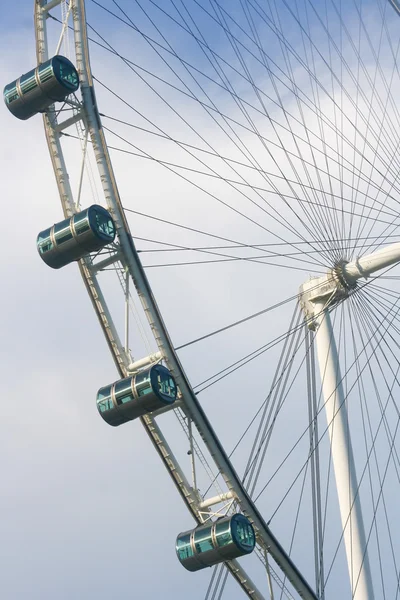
75 237
132 397
215 542
34 92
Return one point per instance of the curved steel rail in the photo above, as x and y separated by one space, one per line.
129 258
396 5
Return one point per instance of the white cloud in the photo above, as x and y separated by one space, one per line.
90 510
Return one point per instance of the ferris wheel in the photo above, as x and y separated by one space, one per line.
300 145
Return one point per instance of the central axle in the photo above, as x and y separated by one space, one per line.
339 281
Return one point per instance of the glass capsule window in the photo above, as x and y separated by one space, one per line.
184 548
104 400
68 73
46 72
81 222
44 242
166 384
244 533
62 232
143 384
203 540
28 82
223 533
11 93
123 391
104 224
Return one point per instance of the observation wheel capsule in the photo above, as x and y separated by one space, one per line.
132 397
35 91
75 237
217 542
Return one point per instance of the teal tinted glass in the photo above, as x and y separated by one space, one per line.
104 224
223 533
143 383
244 532
44 242
28 82
68 74
203 540
62 232
183 547
81 222
10 93
104 401
45 72
105 405
166 384
123 391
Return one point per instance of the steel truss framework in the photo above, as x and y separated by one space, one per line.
316 299
125 255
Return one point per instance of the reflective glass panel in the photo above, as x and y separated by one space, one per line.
244 532
44 242
11 93
123 391
68 74
81 222
104 224
202 540
183 547
62 232
45 72
105 405
166 384
28 82
223 533
143 384
104 401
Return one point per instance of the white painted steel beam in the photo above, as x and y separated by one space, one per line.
396 5
342 458
244 580
365 266
144 362
50 5
316 297
106 262
216 500
68 122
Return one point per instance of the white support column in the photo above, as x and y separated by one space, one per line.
342 457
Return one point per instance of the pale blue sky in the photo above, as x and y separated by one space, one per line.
89 512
